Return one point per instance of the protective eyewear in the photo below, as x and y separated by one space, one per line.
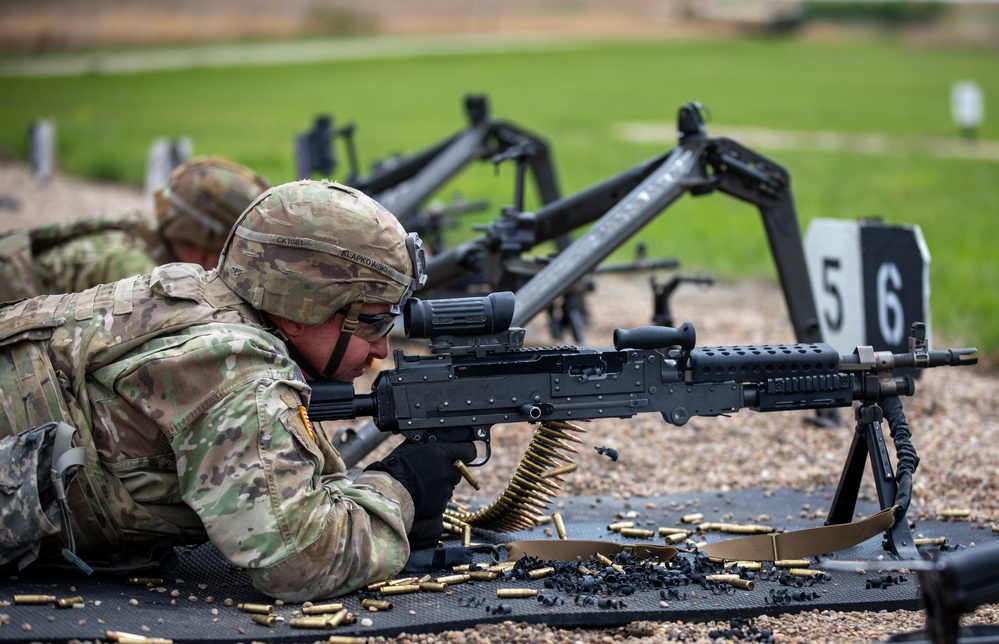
371 328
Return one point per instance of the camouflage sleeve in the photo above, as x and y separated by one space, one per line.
253 472
112 268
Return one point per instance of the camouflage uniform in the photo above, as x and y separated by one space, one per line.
198 206
73 256
191 413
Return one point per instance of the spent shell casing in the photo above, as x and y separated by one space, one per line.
792 563
955 512
930 541
677 537
144 581
502 567
583 570
639 533
665 531
459 578
604 559
482 575
540 573
465 474
466 535
516 592
323 622
377 604
559 525
461 567
745 584
320 609
561 469
260 609
406 581
620 525
346 639
433 586
375 585
722 577
340 617
264 620
69 602
693 518
804 572
751 566
34 599
399 590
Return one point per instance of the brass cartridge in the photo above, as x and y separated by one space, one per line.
459 578
264 620
321 622
516 592
559 525
69 602
320 609
636 532
617 526
34 599
465 474
433 586
541 573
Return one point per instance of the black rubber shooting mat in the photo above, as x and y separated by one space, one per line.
190 605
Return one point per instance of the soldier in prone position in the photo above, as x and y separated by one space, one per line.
189 389
194 212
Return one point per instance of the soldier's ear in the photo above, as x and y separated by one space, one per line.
287 328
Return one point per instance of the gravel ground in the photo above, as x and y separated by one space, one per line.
954 430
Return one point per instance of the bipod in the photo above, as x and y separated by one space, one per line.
869 444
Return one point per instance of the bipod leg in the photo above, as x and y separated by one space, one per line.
869 444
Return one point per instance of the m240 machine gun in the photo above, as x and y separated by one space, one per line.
479 374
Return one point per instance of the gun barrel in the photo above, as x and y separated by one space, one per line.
862 360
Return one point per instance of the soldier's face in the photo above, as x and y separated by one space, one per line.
316 344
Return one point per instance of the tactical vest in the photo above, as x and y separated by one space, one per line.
49 344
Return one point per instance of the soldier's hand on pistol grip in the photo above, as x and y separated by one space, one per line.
428 473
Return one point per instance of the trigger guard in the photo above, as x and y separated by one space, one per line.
485 456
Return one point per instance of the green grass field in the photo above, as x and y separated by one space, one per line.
576 99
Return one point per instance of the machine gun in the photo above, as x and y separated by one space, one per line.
617 208
404 183
479 374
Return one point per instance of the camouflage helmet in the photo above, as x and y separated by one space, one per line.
307 249
203 199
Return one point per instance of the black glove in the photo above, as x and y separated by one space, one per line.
427 472
425 533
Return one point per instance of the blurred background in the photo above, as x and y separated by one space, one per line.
855 100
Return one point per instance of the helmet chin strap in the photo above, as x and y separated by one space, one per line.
346 331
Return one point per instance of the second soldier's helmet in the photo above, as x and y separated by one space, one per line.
307 249
202 200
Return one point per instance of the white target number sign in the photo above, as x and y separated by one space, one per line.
870 281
